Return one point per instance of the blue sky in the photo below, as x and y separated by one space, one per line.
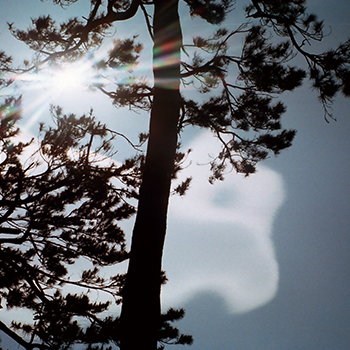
259 263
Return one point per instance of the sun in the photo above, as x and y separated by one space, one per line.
68 78
65 84
71 85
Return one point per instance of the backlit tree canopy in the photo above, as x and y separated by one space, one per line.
79 218
62 199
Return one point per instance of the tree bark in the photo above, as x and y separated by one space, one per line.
141 294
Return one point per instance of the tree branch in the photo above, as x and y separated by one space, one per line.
19 340
110 17
149 26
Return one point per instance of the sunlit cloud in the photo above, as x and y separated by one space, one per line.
219 236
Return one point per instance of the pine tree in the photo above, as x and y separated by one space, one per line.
61 208
244 115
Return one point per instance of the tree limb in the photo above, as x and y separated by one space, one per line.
19 340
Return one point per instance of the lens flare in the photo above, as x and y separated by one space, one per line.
68 78
52 85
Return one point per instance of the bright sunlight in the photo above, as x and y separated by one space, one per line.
63 84
64 79
69 78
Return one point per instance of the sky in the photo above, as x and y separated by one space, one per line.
259 263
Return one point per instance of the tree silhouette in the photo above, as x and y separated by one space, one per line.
244 115
60 207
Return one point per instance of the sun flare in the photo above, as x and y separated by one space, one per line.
64 84
68 78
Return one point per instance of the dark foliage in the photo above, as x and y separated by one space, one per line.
58 206
212 11
62 204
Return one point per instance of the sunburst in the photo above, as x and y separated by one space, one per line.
69 78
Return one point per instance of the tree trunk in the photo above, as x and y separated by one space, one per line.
141 294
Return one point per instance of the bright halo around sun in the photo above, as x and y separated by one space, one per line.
69 85
68 78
